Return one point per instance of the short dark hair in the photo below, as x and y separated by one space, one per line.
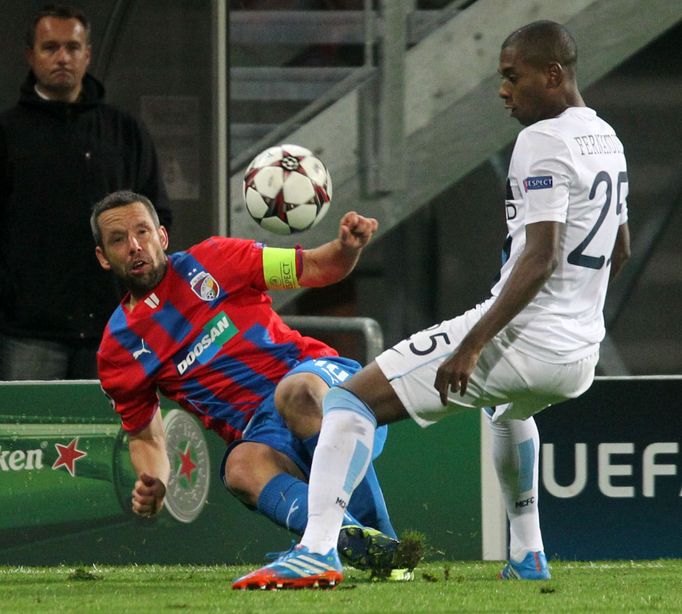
119 199
60 11
543 42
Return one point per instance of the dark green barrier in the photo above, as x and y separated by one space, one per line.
432 482
65 482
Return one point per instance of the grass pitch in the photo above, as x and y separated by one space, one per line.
614 586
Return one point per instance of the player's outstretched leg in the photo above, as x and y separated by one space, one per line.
297 568
342 458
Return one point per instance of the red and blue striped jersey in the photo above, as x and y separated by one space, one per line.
206 337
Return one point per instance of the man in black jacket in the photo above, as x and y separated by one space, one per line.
61 150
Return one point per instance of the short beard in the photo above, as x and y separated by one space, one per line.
140 286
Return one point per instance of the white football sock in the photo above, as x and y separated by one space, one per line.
516 447
342 455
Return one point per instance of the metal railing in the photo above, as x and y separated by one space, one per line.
368 328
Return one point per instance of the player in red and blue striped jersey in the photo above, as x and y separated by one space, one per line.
198 326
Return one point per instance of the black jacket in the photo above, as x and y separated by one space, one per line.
56 161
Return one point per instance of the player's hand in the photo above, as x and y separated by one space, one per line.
355 230
453 374
148 495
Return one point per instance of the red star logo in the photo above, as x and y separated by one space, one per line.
186 464
68 455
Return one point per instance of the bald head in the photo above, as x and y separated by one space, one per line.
544 42
538 70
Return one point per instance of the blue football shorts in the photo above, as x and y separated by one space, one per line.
268 427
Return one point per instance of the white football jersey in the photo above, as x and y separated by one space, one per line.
569 169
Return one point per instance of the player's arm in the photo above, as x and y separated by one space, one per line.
621 250
332 261
535 265
149 458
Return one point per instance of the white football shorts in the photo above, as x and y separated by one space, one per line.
516 384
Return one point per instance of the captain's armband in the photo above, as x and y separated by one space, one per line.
279 268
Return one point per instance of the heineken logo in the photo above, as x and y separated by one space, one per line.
215 334
21 460
68 455
189 480
31 460
187 466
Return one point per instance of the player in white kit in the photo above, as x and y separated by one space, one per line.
534 343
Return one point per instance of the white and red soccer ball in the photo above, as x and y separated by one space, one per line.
287 189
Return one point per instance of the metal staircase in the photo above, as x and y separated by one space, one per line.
288 65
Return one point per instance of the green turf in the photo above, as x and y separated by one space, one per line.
615 586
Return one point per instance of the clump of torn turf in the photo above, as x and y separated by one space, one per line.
407 556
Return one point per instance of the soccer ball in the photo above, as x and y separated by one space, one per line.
287 189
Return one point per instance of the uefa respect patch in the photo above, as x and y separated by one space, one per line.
541 182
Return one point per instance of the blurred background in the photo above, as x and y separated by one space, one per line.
399 98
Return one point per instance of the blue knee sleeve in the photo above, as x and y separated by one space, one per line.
341 399
380 435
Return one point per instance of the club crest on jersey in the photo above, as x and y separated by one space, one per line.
541 182
204 286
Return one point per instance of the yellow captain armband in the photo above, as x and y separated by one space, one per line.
279 268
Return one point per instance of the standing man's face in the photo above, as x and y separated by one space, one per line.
523 88
59 57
